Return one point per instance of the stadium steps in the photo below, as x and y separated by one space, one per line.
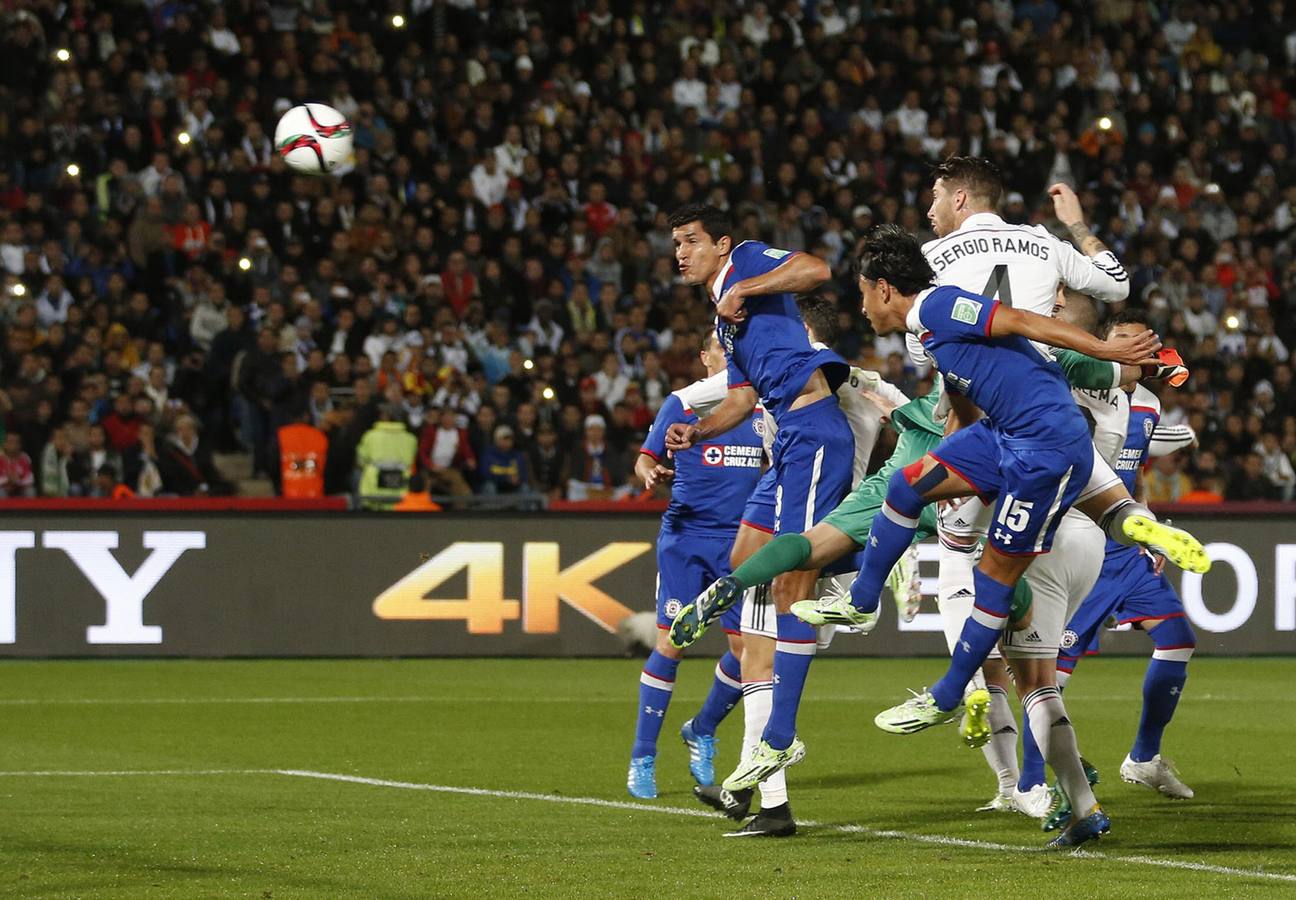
237 468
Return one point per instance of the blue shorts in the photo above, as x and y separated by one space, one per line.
686 565
759 511
1128 589
1034 486
814 453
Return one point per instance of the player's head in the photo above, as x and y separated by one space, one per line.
712 355
1129 322
1079 309
703 239
963 185
892 270
819 314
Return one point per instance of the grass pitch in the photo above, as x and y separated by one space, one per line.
503 778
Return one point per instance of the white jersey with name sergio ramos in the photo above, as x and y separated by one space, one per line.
1021 265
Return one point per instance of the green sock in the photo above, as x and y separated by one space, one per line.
783 554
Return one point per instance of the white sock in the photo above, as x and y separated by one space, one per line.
955 592
1001 752
758 698
1057 743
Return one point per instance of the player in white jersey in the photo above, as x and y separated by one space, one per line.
1021 266
759 632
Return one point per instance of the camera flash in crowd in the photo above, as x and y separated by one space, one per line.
1232 322
547 393
183 138
398 21
73 170
1105 123
63 54
18 289
528 364
244 263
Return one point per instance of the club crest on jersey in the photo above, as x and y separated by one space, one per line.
775 253
758 425
1069 639
712 455
966 310
672 608
1148 428
725 333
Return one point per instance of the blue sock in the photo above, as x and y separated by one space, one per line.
793 654
1032 767
1163 684
889 537
655 686
726 691
980 632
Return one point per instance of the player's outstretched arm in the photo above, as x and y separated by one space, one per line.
733 410
1098 272
1135 350
800 273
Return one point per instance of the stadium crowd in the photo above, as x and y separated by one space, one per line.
488 293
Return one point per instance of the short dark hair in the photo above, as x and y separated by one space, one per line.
820 314
707 337
1128 317
889 252
715 222
979 177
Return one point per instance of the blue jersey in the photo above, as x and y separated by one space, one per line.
1021 390
713 478
770 350
1144 414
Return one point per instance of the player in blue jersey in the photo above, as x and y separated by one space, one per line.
1032 453
710 484
754 286
1132 589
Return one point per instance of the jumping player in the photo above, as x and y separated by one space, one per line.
753 286
1035 458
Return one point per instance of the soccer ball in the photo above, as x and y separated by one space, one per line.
313 138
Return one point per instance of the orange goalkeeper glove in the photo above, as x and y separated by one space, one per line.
1171 368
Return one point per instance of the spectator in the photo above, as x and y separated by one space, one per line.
594 471
17 479
445 455
185 464
546 462
55 462
503 466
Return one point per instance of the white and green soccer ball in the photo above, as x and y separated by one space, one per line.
313 138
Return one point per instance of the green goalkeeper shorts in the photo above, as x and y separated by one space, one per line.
854 515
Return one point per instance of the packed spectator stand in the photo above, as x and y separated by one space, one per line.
487 296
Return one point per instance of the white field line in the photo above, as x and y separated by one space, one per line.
937 839
125 773
450 698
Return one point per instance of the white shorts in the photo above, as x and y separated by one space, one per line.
1101 478
966 518
1059 582
759 616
